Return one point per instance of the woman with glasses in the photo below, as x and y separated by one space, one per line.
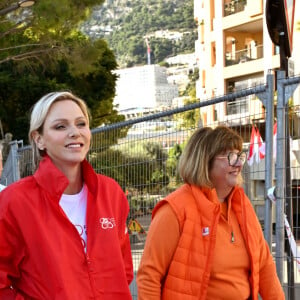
205 241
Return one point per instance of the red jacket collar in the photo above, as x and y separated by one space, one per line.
51 179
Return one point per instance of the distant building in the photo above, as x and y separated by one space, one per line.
166 34
144 87
182 59
180 67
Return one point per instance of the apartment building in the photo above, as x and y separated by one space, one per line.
143 88
234 52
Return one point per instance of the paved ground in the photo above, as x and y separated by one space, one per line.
137 246
136 257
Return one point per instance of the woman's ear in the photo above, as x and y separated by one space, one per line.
38 139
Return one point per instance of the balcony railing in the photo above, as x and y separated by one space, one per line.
234 7
241 56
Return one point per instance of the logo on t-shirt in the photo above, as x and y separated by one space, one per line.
107 223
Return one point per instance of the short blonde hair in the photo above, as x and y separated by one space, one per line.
203 146
39 113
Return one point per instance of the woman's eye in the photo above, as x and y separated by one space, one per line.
59 127
81 124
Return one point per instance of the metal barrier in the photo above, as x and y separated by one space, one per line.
142 154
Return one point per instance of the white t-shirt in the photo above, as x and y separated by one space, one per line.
2 187
74 207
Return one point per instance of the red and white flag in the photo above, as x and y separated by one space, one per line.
257 147
251 152
261 146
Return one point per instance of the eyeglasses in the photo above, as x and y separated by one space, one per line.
233 158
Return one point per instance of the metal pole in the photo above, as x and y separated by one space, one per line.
9 9
15 160
269 157
280 174
289 209
21 3
288 191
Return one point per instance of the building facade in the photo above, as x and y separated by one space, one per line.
144 87
234 52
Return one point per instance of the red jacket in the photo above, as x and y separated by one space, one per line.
189 271
41 254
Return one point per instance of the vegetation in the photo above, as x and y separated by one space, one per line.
143 171
42 51
190 119
142 19
45 32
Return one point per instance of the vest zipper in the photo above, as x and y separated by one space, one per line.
232 237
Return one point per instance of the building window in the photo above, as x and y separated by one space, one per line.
237 106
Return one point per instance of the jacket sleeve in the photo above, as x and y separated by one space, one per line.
11 253
127 257
161 243
10 294
125 242
269 284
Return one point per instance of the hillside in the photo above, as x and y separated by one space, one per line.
168 24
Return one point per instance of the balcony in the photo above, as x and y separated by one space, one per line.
242 56
234 7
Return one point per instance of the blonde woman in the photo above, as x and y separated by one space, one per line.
63 230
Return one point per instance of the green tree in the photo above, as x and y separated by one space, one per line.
46 32
190 119
139 166
173 158
20 90
144 18
49 53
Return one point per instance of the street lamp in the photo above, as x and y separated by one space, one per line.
21 3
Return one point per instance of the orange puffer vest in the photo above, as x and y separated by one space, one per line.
198 214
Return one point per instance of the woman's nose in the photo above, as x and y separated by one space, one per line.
239 162
73 132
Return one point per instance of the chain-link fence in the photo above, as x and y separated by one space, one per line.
142 154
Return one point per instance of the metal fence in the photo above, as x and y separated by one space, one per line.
142 155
